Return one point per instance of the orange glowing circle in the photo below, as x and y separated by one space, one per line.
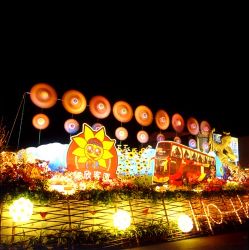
122 111
40 121
205 128
193 126
143 115
162 119
99 107
177 123
71 126
121 133
74 101
177 139
142 136
43 95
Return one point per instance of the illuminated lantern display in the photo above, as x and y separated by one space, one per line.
121 133
177 139
177 123
93 153
97 126
176 163
43 95
205 128
74 101
121 220
71 126
40 121
122 111
99 107
160 137
162 119
142 136
193 126
143 115
21 210
185 223
192 143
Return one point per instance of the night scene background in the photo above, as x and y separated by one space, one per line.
222 106
199 74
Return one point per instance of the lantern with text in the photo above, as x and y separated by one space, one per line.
93 153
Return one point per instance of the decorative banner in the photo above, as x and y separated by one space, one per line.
99 107
122 111
74 101
160 137
177 123
142 136
205 128
43 95
162 119
121 133
177 139
97 126
143 115
192 143
193 126
40 121
93 153
71 126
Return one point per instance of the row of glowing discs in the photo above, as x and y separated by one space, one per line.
44 96
41 121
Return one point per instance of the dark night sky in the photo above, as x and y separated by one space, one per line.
199 72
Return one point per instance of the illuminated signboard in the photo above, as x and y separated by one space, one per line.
93 153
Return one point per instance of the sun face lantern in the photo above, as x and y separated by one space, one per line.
93 153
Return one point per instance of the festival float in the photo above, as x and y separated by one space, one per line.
97 192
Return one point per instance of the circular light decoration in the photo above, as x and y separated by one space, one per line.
177 123
185 223
40 121
121 133
142 136
162 119
143 115
160 137
177 139
43 95
193 126
74 101
205 128
21 210
122 111
121 219
96 126
99 107
192 143
71 126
